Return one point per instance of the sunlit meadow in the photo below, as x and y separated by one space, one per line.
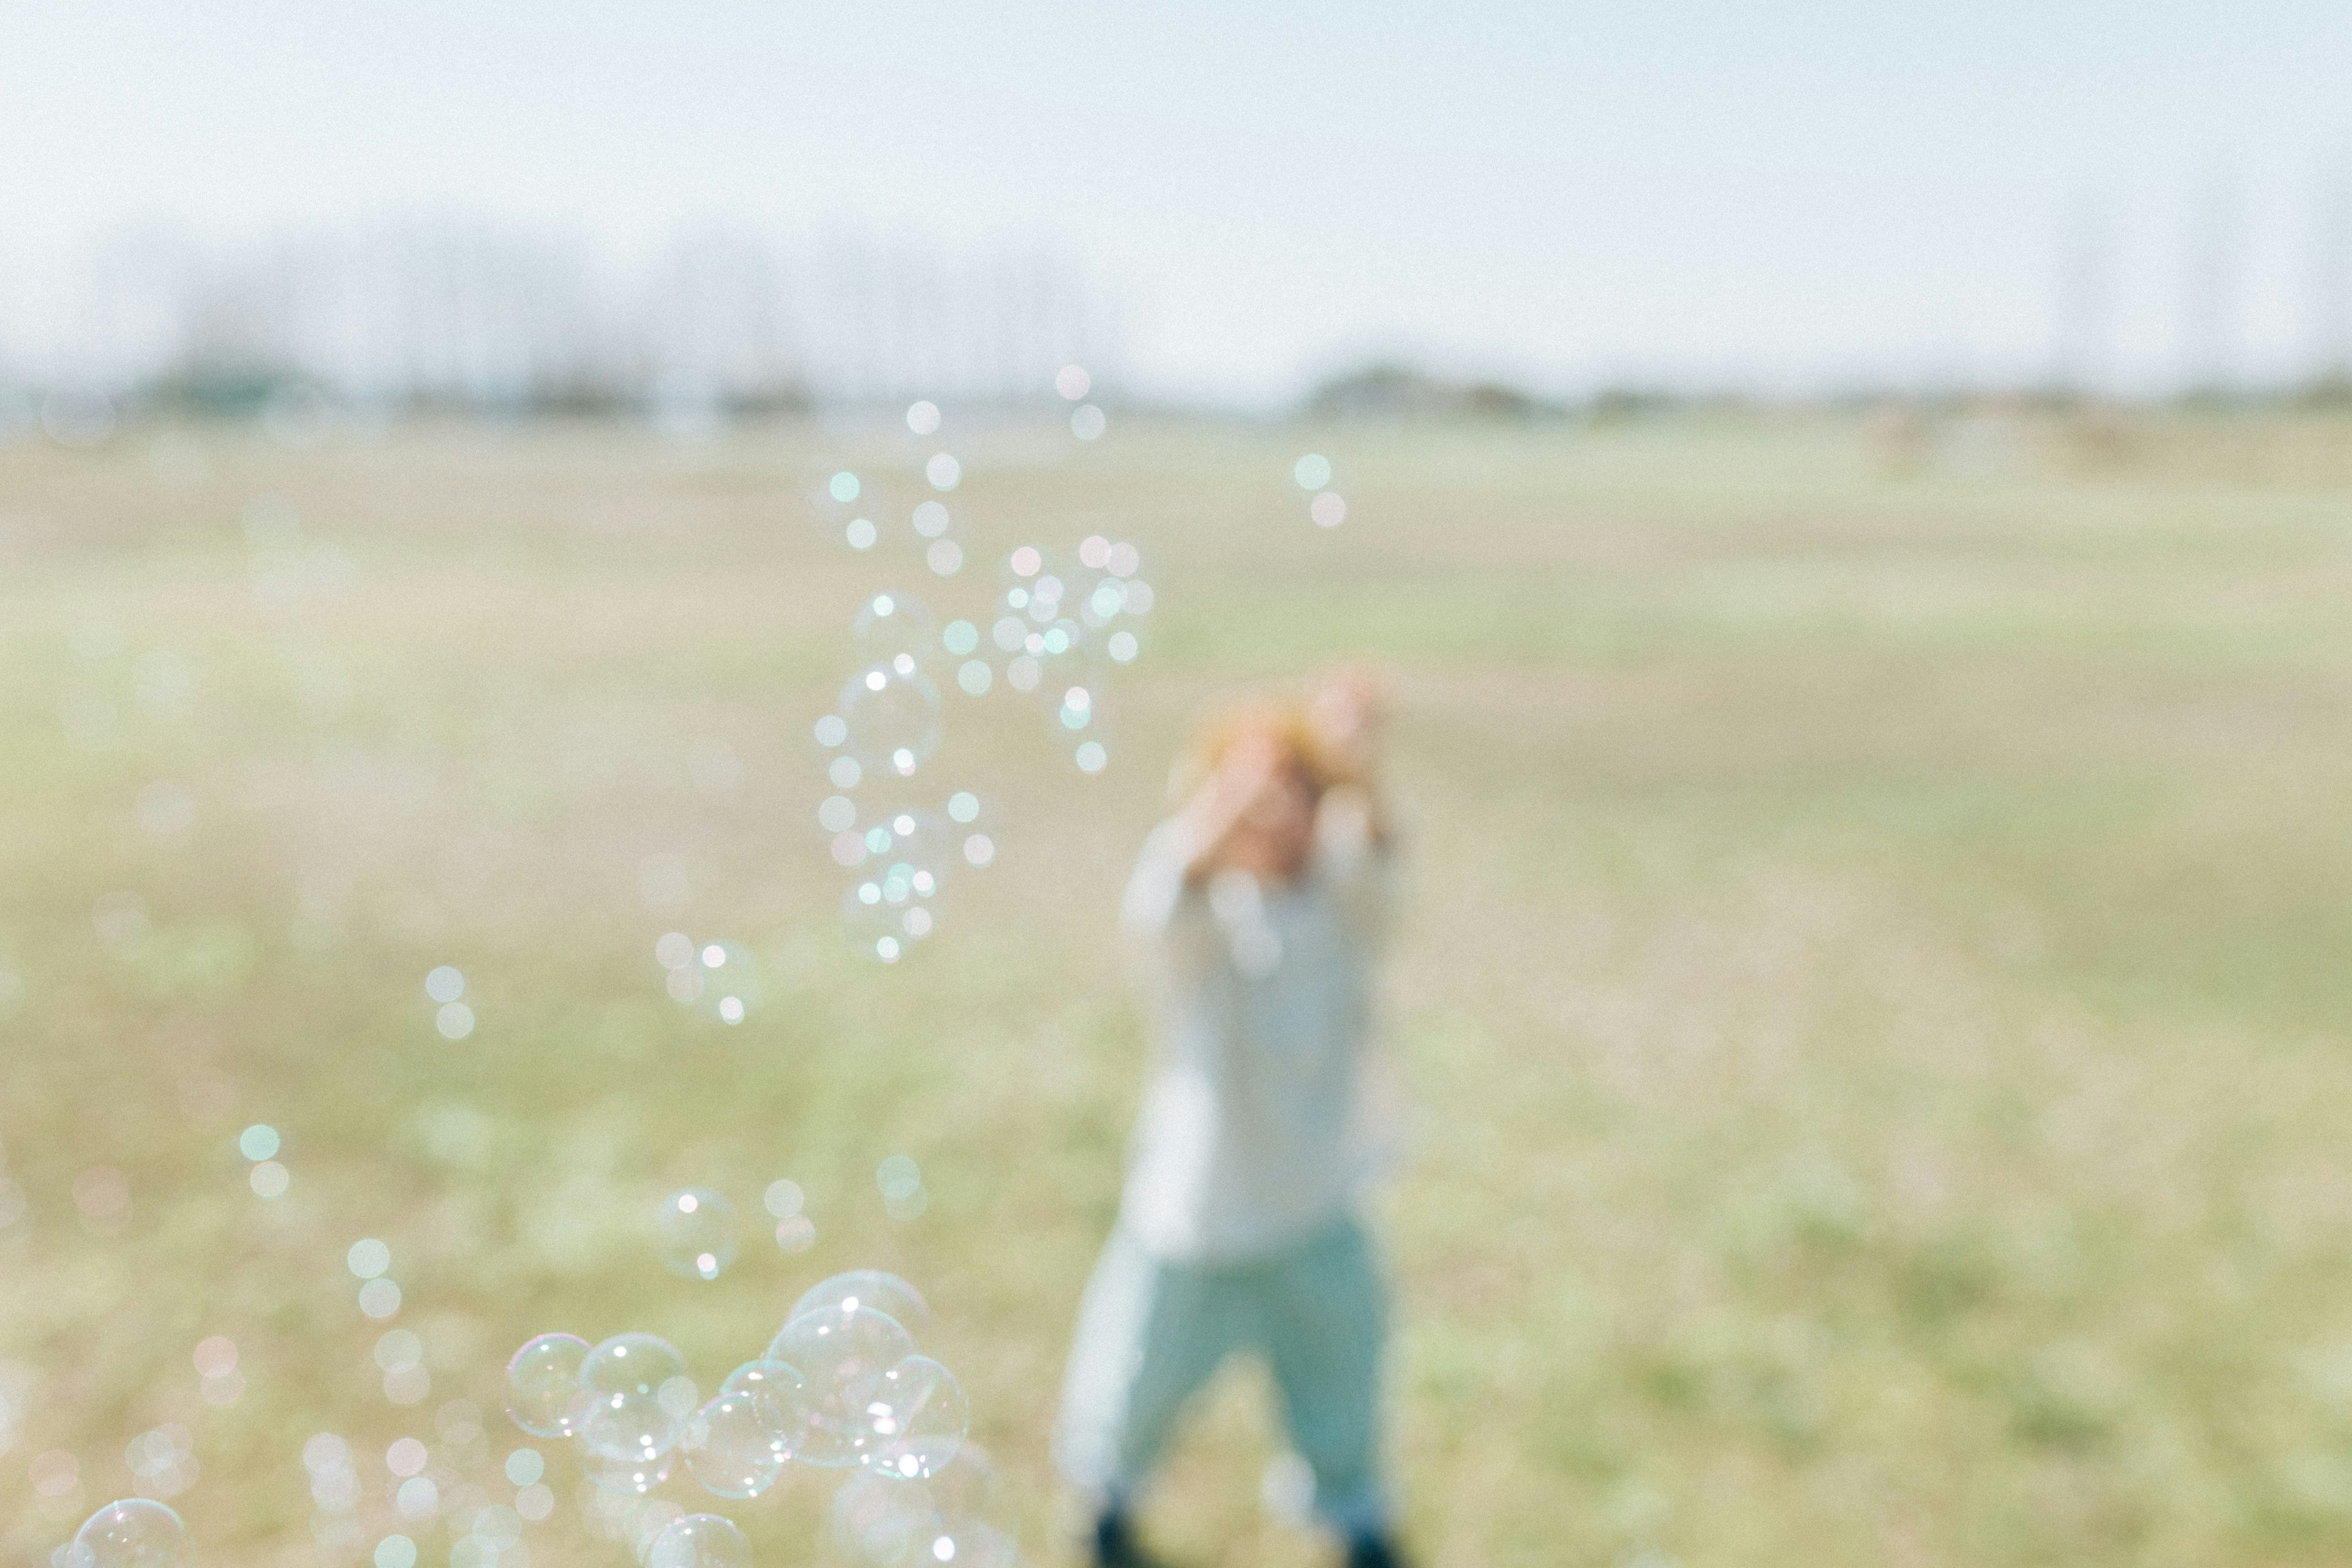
1876 980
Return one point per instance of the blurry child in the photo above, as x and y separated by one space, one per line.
1258 909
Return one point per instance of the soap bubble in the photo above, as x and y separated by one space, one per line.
722 982
783 1396
918 1415
930 519
844 488
629 1477
923 418
633 1519
867 1287
964 1486
699 1541
890 623
626 1415
1091 757
892 715
913 844
137 1532
972 819
944 472
1312 471
873 927
445 984
259 1142
887 904
878 1522
843 1351
731 1448
883 1521
1327 510
542 1382
960 638
1073 382
898 1176
831 732
696 1229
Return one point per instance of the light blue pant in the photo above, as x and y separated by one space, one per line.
1151 1332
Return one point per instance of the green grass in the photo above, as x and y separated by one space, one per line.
1874 986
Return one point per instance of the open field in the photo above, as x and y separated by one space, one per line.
1876 990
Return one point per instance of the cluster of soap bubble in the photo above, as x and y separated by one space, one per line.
137 1532
698 1233
1063 624
887 719
1312 472
1060 624
886 724
841 1386
854 501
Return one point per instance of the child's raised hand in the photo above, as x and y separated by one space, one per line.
1346 713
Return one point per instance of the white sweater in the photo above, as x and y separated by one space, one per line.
1268 1108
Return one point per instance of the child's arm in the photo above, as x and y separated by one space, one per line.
1348 715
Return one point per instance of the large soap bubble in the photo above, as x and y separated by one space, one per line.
137 1532
873 1288
731 1448
635 1399
698 1233
699 1541
542 1381
918 1416
783 1399
843 1351
891 715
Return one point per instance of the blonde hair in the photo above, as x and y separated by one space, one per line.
1284 722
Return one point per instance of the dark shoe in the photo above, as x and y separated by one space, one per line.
1115 1543
1374 1552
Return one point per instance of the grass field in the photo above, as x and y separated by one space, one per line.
1875 990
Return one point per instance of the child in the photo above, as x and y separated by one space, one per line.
1258 908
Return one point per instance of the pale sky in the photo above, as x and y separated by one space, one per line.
1771 195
